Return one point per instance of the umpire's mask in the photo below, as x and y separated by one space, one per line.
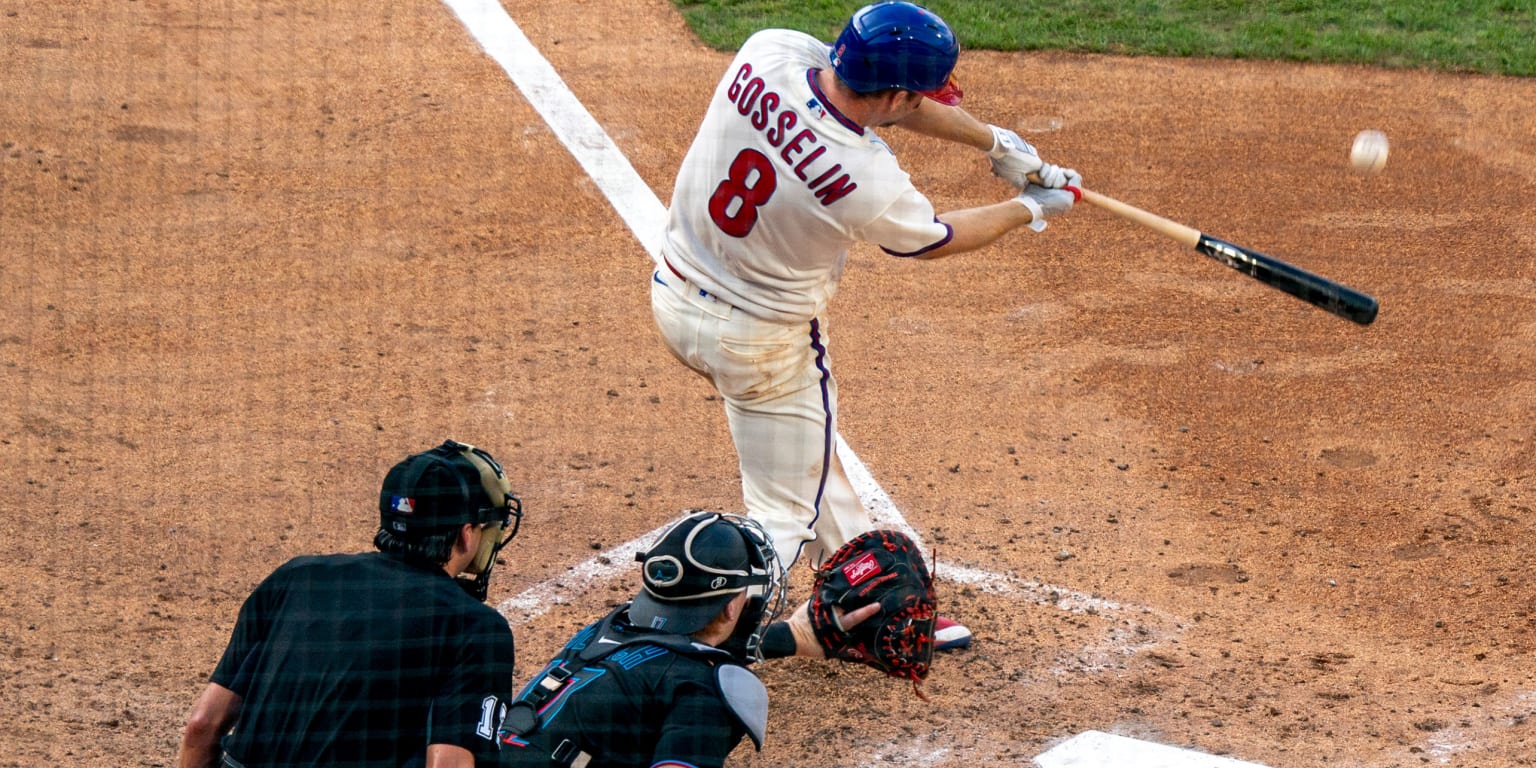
438 491
505 517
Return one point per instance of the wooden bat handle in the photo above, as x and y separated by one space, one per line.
1184 234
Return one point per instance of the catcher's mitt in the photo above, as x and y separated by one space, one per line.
878 566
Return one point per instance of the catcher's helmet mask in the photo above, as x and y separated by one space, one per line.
436 491
898 45
700 564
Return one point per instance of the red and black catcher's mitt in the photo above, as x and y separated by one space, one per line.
882 566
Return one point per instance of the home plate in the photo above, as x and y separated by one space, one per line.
1095 749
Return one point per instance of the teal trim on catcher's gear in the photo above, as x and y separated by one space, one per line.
618 694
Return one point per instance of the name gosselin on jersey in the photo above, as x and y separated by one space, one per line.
801 151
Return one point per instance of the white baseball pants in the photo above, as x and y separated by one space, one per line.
781 404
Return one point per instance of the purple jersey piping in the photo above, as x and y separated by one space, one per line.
810 79
949 234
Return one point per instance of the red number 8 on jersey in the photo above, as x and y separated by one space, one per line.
752 190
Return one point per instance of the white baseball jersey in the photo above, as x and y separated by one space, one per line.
779 184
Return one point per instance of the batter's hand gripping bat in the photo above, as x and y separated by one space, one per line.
1316 290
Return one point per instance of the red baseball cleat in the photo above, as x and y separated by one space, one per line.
949 635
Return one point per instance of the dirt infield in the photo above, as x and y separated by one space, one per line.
251 254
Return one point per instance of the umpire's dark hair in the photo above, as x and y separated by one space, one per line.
430 549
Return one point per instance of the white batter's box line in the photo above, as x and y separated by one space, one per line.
615 563
572 124
618 562
1039 591
882 510
1132 628
1443 745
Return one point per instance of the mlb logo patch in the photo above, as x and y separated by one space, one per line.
859 571
404 505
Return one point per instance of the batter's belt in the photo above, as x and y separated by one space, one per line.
691 290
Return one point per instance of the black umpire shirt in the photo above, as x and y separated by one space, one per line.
363 660
640 706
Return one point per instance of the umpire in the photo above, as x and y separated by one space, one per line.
663 680
387 658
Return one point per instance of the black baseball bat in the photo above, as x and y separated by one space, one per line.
1319 291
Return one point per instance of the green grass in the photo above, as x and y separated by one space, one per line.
1483 36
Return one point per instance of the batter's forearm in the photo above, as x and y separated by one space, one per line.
949 123
979 227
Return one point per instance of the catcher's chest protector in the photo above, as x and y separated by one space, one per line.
744 695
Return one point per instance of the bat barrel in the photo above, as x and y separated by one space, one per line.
1316 290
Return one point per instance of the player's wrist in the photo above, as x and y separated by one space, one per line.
1036 211
999 147
804 633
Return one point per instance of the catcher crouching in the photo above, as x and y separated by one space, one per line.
664 678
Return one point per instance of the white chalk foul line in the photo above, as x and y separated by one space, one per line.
614 563
505 43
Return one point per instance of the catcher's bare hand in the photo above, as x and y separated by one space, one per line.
805 636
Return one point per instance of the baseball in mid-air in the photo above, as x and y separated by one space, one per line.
1369 152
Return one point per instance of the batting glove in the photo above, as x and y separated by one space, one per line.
1013 159
1057 177
1043 202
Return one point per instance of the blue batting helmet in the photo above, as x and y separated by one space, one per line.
898 45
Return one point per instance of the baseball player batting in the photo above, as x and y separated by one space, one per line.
785 174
